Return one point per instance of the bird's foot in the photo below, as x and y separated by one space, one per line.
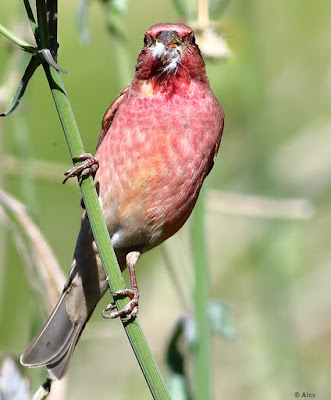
128 312
89 166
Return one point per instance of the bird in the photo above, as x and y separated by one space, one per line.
159 139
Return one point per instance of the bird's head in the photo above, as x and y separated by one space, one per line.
170 50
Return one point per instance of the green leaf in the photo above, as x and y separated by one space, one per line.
221 319
32 66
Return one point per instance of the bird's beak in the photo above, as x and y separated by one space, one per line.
168 47
169 39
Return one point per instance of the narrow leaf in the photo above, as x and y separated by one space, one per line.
17 40
32 66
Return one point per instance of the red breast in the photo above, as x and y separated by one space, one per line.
154 158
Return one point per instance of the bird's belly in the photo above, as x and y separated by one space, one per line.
145 207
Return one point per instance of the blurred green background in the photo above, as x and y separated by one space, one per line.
274 272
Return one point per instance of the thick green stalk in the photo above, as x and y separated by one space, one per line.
202 348
101 236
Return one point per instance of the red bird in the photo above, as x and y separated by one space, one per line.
158 142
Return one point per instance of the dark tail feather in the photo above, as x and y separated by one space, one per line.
54 344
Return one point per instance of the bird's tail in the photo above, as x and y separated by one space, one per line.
54 344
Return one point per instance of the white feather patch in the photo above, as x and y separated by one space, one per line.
173 61
117 238
159 50
171 58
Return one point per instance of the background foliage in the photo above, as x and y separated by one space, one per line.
274 272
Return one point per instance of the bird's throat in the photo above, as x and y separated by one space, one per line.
170 85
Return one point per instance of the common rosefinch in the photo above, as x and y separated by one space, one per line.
158 142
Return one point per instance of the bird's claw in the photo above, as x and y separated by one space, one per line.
89 166
128 312
109 307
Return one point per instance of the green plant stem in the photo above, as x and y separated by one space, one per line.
42 32
202 348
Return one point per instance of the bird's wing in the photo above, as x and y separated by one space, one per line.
110 114
218 142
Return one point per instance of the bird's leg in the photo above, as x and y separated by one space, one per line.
130 311
89 166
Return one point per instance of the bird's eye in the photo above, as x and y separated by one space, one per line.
193 40
148 40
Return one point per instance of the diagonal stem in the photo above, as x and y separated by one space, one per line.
43 28
51 7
